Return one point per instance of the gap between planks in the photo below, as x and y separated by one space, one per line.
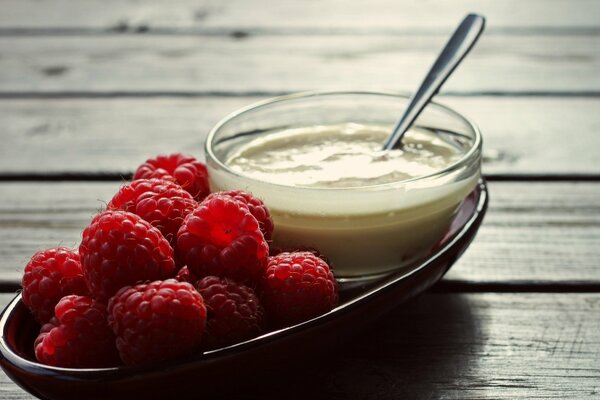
124 176
153 94
241 34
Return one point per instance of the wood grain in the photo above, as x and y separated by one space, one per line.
97 86
533 234
531 135
269 15
454 346
168 64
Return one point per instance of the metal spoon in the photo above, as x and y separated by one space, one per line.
456 49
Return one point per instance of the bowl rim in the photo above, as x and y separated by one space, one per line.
8 355
209 142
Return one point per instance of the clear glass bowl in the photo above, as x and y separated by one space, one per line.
365 231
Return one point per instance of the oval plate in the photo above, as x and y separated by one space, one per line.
201 373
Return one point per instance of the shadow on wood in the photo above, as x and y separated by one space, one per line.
433 339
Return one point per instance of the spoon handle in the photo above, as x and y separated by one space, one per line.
456 49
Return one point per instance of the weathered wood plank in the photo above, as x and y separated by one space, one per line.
536 232
533 234
189 64
324 15
455 346
521 135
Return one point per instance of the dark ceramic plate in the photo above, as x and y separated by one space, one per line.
197 374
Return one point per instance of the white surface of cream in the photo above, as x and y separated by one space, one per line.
341 156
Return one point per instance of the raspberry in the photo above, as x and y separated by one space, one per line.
78 337
162 203
185 275
298 286
120 248
222 238
50 275
158 320
257 209
234 313
184 170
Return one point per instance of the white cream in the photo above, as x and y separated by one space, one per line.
341 156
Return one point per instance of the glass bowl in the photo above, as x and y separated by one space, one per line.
368 230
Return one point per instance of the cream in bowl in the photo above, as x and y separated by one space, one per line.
315 159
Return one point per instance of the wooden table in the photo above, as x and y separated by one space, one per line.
90 89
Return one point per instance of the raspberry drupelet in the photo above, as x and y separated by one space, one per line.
185 275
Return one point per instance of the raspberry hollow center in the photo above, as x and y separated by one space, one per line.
223 234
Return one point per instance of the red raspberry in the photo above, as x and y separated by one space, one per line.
185 275
298 286
184 170
222 238
120 248
49 276
78 337
234 313
162 203
158 320
256 207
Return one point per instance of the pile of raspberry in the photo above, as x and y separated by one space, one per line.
169 269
